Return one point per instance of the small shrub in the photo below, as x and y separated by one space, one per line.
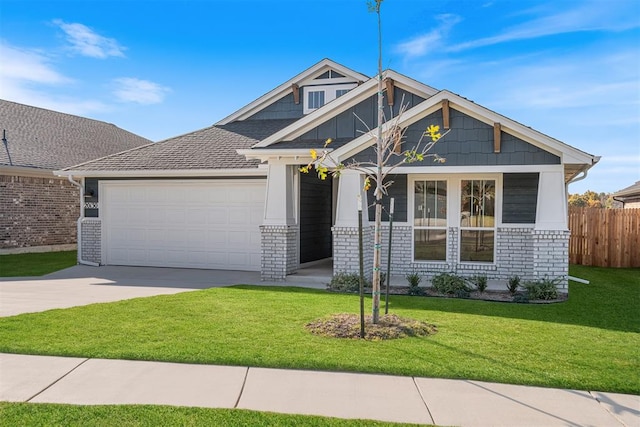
345 282
450 284
544 289
513 284
414 280
480 282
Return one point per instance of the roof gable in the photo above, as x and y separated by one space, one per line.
568 154
344 103
308 76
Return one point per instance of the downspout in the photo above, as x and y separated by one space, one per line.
79 224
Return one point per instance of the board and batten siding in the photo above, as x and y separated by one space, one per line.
520 198
398 190
284 108
360 118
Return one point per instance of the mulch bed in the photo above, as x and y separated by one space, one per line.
389 326
488 295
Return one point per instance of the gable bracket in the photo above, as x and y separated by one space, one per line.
445 113
296 93
390 84
497 130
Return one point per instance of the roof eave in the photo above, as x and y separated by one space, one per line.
162 173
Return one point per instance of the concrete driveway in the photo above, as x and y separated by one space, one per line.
82 285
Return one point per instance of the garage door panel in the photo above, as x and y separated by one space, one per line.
196 224
197 216
239 215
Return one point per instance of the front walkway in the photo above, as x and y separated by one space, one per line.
45 379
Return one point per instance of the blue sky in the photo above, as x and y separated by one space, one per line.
570 69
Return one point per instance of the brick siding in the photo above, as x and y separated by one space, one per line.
279 251
523 251
91 235
37 211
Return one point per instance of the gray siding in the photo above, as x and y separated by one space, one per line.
284 108
470 143
91 187
397 190
520 198
349 123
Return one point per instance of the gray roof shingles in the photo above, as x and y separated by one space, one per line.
46 139
210 148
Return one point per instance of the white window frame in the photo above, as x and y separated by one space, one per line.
329 94
454 192
444 227
497 220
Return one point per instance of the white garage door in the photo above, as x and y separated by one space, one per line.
210 224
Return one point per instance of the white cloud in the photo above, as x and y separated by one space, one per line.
87 42
129 89
589 16
29 78
431 41
23 65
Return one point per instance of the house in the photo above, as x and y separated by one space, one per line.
38 210
231 196
629 197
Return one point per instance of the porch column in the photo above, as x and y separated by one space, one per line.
551 234
279 230
345 230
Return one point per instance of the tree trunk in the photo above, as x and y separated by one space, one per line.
377 232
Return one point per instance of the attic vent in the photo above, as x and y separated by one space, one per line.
329 74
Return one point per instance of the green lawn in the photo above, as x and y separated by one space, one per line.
589 342
36 264
35 414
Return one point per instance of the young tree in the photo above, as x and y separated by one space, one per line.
388 156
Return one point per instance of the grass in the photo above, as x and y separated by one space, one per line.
589 342
35 264
35 414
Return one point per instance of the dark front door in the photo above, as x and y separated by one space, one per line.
315 217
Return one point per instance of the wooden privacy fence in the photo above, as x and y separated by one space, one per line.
604 237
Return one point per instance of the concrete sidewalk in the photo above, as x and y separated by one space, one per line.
25 378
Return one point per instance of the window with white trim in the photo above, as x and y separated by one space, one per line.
477 220
430 221
315 99
316 96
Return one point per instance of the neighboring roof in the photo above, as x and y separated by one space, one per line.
210 148
285 88
45 139
631 191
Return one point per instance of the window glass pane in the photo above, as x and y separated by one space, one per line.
430 245
430 203
477 204
316 99
476 245
341 92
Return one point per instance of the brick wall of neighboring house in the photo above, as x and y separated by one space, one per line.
36 211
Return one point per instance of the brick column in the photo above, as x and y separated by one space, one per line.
91 235
279 251
551 256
